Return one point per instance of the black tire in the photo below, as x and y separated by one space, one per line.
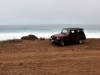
53 42
80 41
62 43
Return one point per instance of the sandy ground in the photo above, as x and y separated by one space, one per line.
43 58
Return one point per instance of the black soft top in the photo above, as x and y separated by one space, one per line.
73 28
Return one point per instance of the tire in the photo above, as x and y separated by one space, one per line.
53 42
62 43
80 41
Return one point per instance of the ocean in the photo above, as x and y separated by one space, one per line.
8 32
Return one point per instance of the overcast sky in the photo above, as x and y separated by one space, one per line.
23 12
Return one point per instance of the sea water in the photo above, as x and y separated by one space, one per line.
17 31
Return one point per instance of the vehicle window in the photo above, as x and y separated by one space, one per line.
80 32
64 31
72 32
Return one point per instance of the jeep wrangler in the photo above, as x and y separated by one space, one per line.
69 35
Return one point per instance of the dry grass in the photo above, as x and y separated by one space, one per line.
42 38
11 41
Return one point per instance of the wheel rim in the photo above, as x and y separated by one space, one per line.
62 43
80 41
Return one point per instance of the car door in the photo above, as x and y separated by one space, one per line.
73 35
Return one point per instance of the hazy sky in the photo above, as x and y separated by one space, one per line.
21 12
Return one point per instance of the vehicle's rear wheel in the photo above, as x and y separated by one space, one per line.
80 40
62 43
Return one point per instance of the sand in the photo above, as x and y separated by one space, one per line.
43 58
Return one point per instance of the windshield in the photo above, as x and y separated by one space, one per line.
64 31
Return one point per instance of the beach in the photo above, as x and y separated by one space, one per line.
41 57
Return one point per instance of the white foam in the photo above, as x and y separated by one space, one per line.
93 35
7 36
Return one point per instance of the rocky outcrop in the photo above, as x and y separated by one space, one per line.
29 37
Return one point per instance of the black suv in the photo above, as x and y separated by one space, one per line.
69 35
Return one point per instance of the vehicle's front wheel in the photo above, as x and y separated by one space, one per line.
80 40
53 42
62 43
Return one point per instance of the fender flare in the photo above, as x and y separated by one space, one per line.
78 38
63 39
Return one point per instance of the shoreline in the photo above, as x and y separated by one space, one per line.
38 39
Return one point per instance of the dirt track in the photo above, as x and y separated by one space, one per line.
43 58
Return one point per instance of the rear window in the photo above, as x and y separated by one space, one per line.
80 31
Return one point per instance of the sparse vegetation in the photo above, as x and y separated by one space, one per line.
29 37
41 38
12 40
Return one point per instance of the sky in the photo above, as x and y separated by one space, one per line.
31 12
